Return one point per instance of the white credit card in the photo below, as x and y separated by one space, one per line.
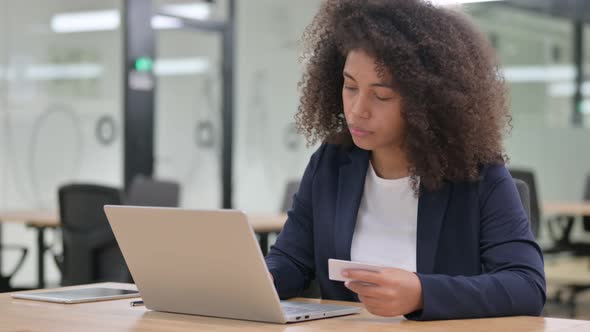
336 266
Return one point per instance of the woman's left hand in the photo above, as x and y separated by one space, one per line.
390 292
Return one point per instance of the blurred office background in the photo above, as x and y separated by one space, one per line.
62 103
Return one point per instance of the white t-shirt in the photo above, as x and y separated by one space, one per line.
386 224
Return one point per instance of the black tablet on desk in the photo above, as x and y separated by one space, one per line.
78 295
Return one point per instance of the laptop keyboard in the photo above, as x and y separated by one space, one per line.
291 308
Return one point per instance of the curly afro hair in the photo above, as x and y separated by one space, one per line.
454 99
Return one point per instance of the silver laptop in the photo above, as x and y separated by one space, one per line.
204 263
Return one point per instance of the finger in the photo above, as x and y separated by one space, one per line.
364 289
371 277
365 298
374 300
370 300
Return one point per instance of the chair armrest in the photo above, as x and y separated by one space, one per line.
24 251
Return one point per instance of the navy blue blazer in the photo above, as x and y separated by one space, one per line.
476 255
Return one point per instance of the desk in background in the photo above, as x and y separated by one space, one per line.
581 208
563 214
114 316
263 224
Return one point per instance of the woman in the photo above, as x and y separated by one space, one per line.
409 103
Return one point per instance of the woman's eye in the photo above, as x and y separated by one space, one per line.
347 87
383 98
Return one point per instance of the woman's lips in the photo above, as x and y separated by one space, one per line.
359 132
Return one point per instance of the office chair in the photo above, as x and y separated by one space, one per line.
313 289
525 199
90 251
5 279
559 229
586 219
528 177
579 248
145 191
290 191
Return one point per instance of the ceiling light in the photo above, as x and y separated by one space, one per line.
166 22
519 74
63 71
99 20
104 20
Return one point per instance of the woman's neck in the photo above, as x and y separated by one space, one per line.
390 163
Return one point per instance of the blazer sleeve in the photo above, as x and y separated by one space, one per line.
512 282
291 258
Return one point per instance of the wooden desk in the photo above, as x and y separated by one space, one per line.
581 208
267 223
263 224
562 215
24 315
36 218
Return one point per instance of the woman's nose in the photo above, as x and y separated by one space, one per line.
360 107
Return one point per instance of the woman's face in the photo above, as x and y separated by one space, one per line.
371 107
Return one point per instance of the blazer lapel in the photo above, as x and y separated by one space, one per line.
351 183
432 207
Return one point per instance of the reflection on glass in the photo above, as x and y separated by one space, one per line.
268 150
536 54
56 91
188 114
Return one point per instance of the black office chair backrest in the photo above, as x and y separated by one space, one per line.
586 220
145 191
290 191
90 251
528 177
525 199
313 289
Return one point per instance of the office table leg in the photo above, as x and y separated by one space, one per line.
0 247
263 241
4 282
41 255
